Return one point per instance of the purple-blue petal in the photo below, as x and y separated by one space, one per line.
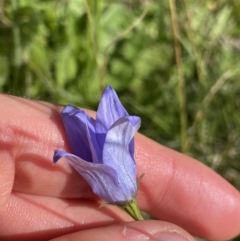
57 155
116 152
103 179
109 110
94 146
134 120
80 129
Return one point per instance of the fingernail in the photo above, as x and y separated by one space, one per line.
168 237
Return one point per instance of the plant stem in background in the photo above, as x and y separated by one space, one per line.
209 96
17 58
92 10
181 81
197 53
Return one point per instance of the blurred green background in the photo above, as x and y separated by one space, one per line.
174 63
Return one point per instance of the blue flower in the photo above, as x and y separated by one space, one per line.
103 149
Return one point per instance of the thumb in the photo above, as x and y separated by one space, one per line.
150 230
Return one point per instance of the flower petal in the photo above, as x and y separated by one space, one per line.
109 110
94 146
116 152
103 179
134 120
80 129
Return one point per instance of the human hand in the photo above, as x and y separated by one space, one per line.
39 201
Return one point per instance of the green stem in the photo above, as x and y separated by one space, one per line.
181 81
132 209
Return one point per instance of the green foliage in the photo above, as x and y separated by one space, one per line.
67 51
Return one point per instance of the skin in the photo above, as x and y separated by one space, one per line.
39 201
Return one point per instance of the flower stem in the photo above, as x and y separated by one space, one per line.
132 209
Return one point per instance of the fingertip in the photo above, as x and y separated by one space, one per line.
150 230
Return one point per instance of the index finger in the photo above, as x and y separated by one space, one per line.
175 188
180 189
